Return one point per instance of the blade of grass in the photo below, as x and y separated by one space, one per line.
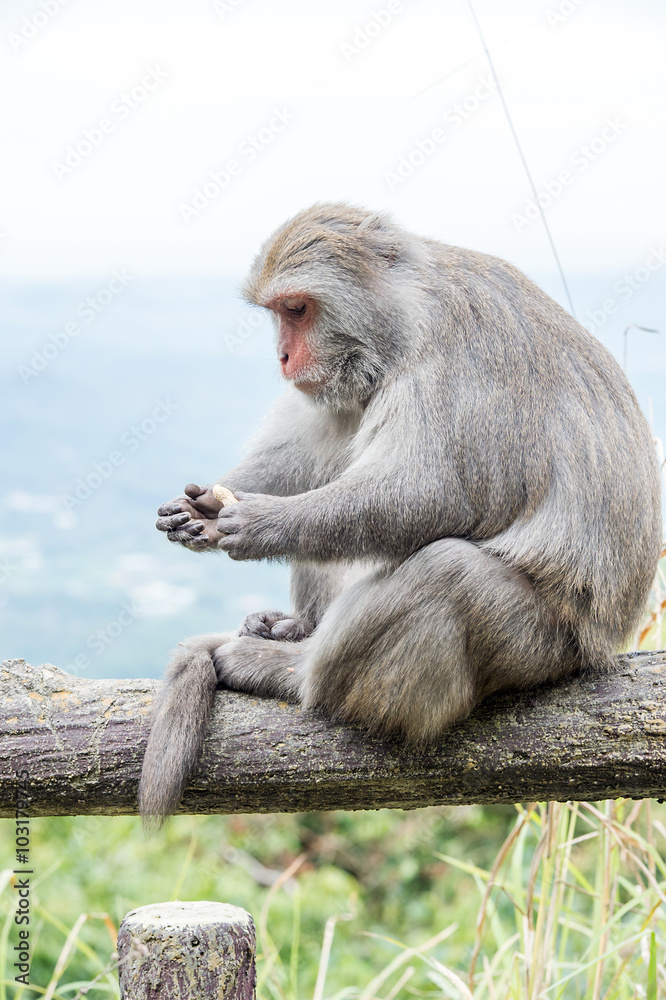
497 864
373 986
185 867
329 931
652 970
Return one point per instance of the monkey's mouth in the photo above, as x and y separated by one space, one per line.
306 377
297 365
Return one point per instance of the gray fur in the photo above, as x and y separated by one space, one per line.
469 500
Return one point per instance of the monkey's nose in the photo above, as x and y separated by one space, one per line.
284 357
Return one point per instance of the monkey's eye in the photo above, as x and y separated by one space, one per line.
296 307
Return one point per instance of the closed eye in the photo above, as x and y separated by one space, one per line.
295 307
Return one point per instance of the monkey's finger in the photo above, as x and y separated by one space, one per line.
227 523
189 541
237 555
193 528
176 506
200 542
193 491
228 544
172 522
206 503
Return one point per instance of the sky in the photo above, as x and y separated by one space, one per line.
172 138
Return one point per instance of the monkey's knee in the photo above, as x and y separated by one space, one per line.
412 651
391 656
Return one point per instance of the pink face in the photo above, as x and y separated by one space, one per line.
296 315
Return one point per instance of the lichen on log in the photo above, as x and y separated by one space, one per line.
79 744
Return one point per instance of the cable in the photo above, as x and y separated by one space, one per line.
524 161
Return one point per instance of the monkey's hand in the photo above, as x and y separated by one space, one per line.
252 528
191 519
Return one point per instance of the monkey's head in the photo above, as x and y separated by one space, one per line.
331 277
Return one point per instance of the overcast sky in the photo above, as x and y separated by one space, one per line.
117 111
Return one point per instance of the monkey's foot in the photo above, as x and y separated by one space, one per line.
276 625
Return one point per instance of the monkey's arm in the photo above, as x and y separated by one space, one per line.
290 454
353 517
293 451
387 503
423 468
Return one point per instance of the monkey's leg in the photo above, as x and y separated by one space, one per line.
264 667
408 651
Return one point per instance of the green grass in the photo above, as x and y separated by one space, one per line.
556 901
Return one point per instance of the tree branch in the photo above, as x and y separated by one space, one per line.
80 744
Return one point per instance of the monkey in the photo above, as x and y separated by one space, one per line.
458 474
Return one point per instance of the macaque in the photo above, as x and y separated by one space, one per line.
458 474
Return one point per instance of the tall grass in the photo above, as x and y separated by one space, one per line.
573 905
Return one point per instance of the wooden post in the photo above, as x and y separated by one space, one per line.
191 950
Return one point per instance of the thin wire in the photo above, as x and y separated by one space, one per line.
524 161
634 326
468 62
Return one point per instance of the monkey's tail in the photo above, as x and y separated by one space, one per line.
180 718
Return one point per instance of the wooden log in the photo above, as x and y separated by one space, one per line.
203 950
78 745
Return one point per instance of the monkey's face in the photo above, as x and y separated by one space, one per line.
295 317
317 354
329 278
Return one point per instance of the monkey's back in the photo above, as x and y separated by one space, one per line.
539 401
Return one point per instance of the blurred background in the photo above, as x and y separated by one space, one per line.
147 150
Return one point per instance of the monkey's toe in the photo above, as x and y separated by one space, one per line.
260 623
275 625
291 630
